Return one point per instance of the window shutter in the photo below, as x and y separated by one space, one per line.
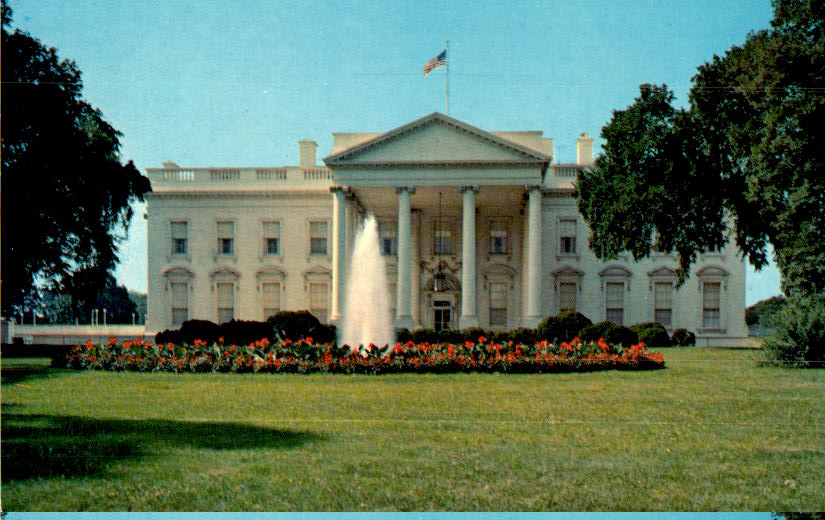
226 229
225 296
614 295
663 292
710 295
180 298
179 229
272 229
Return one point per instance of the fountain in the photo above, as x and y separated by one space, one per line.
367 318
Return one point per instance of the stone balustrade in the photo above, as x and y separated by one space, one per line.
240 179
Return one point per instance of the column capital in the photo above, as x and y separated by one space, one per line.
532 187
410 189
473 187
336 188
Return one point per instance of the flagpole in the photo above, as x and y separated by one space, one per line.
447 53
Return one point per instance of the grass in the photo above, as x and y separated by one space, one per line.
713 431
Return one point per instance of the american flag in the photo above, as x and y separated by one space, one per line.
436 62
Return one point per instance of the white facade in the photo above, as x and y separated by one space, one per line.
479 229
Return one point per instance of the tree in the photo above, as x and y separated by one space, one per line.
66 197
745 158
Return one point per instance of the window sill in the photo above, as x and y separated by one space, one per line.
712 331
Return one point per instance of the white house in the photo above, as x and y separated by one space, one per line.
478 228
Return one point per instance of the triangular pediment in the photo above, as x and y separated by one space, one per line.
436 139
665 272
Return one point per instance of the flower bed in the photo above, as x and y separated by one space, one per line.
305 356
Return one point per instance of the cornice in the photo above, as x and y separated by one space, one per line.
454 164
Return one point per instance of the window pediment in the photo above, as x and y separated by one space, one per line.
225 273
712 271
662 272
178 273
615 271
568 272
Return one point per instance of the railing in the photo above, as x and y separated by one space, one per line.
317 174
270 174
568 171
243 178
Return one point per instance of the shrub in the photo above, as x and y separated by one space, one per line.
450 336
203 330
240 332
473 333
651 334
403 335
563 327
296 325
612 333
799 340
683 338
425 336
523 336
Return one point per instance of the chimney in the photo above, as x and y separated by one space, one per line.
584 150
307 153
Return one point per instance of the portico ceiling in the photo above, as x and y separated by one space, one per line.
493 200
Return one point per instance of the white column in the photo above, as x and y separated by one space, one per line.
415 285
469 315
403 317
532 315
339 251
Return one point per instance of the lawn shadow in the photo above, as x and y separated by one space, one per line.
12 372
51 445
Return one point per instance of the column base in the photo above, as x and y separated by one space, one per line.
531 322
466 322
405 322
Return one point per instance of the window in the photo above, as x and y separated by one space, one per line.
226 238
614 302
271 292
498 304
567 296
662 304
318 238
442 315
386 233
711 315
442 239
567 236
272 238
498 238
226 301
318 301
180 234
180 302
393 293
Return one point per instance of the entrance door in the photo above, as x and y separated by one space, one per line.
442 313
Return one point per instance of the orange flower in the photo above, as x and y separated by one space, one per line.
220 340
482 339
309 340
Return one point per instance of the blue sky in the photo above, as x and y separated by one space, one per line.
238 83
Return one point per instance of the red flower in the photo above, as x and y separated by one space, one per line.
482 339
220 340
309 339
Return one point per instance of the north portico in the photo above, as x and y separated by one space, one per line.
439 180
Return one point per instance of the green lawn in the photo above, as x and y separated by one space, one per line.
713 431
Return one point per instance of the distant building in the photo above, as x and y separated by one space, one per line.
478 228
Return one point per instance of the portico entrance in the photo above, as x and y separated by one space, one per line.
490 188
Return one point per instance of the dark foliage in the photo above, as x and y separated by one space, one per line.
747 154
799 340
612 333
296 325
563 327
683 338
766 312
62 181
651 334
